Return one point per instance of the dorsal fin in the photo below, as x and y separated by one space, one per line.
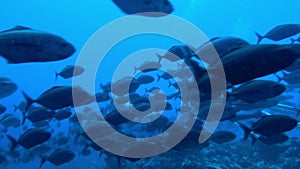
17 28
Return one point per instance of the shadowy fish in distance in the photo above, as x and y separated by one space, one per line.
156 7
222 136
7 87
58 157
280 32
21 44
69 71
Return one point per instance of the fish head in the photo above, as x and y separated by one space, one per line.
7 87
57 48
278 89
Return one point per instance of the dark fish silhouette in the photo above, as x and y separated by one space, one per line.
38 114
21 44
257 90
30 138
7 87
222 136
59 157
255 61
158 7
69 71
280 32
60 96
270 125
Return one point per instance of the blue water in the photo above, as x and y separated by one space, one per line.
77 21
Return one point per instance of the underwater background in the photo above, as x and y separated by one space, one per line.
77 21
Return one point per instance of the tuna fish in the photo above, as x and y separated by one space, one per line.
280 32
160 7
21 44
7 87
30 138
69 71
59 157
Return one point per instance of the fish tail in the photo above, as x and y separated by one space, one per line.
259 37
147 90
13 141
56 76
43 160
24 118
28 100
293 40
279 79
170 84
246 129
15 108
160 57
158 77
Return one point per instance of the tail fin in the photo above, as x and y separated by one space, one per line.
293 40
246 129
43 160
13 141
170 84
259 37
160 57
56 76
24 118
158 77
28 100
279 79
15 108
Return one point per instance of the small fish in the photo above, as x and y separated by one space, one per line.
38 114
120 87
69 71
22 44
139 7
7 87
58 157
276 139
145 79
222 136
63 114
144 67
280 32
10 120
